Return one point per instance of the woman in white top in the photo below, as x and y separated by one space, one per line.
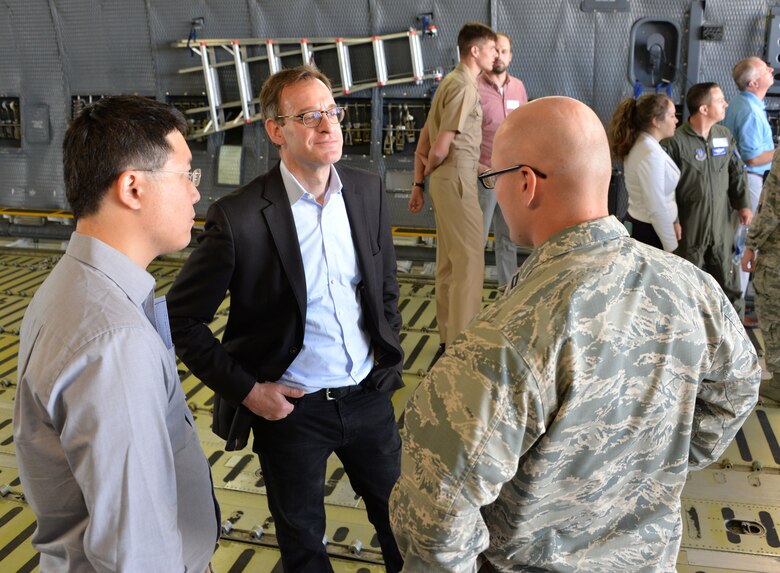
651 176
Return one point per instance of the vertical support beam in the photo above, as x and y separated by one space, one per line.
695 21
416 53
342 51
380 60
273 62
773 46
375 137
244 85
306 54
207 58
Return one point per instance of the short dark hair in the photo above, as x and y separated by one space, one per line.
699 95
110 136
271 92
473 33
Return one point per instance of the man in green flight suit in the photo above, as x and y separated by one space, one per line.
712 184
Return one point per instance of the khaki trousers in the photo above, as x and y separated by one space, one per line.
460 252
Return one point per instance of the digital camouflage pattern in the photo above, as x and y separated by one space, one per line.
764 236
557 431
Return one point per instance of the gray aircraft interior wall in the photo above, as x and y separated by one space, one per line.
55 51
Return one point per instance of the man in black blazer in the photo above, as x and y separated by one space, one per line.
311 351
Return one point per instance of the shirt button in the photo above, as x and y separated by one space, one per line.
293 350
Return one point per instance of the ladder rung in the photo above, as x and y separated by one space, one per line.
273 54
345 68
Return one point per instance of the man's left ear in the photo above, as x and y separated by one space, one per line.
528 190
128 189
274 131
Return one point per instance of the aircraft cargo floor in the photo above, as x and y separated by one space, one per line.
731 511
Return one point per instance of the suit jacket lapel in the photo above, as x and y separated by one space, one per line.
279 218
356 212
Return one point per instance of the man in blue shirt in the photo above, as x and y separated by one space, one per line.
747 121
311 351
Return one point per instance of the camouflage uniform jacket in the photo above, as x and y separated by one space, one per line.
762 235
556 433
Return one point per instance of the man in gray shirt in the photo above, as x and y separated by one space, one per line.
108 455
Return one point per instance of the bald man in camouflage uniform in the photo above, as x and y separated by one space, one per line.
764 240
556 433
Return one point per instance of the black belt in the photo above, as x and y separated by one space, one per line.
331 393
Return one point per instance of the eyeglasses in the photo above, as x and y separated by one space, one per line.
193 175
314 118
489 178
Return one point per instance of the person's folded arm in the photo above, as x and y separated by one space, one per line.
465 430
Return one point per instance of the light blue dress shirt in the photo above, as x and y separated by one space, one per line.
336 347
746 120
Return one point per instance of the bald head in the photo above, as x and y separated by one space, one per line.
565 140
558 135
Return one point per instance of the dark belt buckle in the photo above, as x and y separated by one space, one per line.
328 395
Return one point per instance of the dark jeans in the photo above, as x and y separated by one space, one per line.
362 431
644 233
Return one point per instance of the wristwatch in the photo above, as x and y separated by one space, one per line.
420 184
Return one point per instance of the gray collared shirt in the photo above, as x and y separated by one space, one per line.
108 455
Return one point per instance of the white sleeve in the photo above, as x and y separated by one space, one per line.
651 174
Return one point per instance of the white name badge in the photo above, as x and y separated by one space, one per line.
720 142
512 104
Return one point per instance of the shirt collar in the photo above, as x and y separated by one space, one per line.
295 190
137 284
649 139
467 72
688 128
486 79
753 99
570 239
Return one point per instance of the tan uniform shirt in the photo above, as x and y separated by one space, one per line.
456 108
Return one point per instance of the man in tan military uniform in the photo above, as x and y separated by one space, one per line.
556 433
448 151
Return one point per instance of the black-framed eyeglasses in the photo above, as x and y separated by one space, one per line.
489 178
193 175
314 118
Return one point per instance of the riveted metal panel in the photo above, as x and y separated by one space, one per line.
744 34
32 175
114 57
171 21
55 49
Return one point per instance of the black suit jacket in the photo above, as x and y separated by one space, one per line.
249 249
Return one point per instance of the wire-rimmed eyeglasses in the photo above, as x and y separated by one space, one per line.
314 118
489 178
193 175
